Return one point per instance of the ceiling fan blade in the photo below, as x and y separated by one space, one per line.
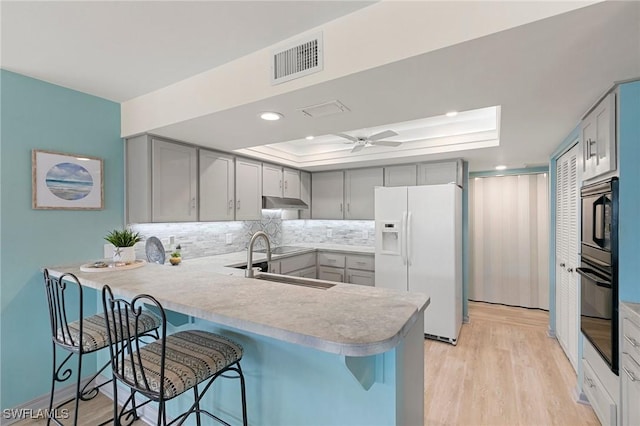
386 143
357 148
343 135
382 135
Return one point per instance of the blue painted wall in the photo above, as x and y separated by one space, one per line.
629 226
38 115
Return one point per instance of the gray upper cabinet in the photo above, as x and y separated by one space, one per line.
305 194
248 190
291 186
599 139
327 193
404 175
217 177
174 176
359 187
138 178
271 180
440 172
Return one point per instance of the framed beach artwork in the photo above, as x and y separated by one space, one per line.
66 181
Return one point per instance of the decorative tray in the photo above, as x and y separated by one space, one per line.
103 266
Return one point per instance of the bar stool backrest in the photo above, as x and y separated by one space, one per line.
122 319
59 290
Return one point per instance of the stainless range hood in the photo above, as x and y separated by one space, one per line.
283 203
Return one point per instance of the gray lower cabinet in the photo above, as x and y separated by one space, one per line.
328 273
299 266
307 272
630 364
355 276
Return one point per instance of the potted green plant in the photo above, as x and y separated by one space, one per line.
123 242
175 258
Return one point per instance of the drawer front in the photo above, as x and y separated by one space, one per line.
361 277
630 376
331 274
600 400
631 338
365 263
336 260
294 263
307 273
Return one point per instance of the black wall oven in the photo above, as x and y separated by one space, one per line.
599 268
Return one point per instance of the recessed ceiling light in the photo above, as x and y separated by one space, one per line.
452 113
501 167
271 116
309 138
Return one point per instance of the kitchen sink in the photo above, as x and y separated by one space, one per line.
303 282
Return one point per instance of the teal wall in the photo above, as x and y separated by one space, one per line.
38 115
629 226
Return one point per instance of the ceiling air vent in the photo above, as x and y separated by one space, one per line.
294 61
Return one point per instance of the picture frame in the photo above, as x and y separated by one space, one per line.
63 181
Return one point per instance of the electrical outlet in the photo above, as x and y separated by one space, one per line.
365 234
329 233
229 238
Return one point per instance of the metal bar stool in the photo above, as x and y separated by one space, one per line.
80 337
170 366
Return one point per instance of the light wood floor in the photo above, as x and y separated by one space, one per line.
504 371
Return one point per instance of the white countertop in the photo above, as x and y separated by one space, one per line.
345 319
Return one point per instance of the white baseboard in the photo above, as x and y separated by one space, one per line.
40 403
551 333
579 396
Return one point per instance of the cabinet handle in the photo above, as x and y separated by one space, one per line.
348 207
286 184
280 183
630 374
192 205
230 204
361 262
632 341
238 205
590 151
632 359
341 207
589 382
331 260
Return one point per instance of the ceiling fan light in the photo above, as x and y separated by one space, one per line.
451 113
309 138
271 115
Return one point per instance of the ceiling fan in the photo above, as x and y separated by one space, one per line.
363 142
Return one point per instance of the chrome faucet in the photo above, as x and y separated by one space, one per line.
249 271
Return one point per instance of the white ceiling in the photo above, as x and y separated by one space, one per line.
119 50
544 75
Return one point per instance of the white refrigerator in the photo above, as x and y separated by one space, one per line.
419 249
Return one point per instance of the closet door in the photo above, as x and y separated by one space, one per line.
567 258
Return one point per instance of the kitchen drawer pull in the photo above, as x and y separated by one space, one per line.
631 375
589 382
633 342
230 204
631 358
238 207
360 262
331 260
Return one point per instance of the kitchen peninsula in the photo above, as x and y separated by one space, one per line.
344 355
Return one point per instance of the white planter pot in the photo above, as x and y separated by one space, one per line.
124 254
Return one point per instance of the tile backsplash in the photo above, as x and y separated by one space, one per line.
198 239
348 232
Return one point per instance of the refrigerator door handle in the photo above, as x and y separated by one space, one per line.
403 235
408 234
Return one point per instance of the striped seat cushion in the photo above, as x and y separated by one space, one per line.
191 357
95 332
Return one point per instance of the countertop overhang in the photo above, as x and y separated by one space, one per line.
346 319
